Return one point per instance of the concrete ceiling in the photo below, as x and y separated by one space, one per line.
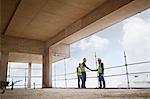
7 10
59 21
43 19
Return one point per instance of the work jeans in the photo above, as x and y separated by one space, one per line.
83 77
101 81
79 78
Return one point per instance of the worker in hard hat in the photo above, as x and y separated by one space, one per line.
83 72
78 70
100 74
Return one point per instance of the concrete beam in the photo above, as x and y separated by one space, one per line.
7 11
60 52
108 7
22 45
25 58
117 16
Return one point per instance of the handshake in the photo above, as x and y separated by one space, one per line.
93 69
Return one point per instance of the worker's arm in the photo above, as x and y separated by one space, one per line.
94 70
77 70
86 66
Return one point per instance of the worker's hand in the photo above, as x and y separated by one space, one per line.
92 70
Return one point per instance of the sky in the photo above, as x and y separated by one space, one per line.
131 35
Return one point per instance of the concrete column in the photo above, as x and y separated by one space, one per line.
4 65
47 69
29 75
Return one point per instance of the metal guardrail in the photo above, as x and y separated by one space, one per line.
74 73
119 66
24 76
27 68
108 75
109 67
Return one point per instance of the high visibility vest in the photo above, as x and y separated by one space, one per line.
100 69
82 68
78 71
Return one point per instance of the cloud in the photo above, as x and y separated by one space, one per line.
136 39
95 42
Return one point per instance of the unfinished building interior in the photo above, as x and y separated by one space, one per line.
36 31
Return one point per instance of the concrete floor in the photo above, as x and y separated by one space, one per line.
76 94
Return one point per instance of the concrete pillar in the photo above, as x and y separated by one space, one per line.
29 75
4 65
47 69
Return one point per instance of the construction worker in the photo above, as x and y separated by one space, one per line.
83 72
78 70
100 73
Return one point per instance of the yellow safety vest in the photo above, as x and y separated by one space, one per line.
82 68
99 69
78 71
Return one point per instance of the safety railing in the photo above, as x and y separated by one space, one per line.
23 77
65 79
127 73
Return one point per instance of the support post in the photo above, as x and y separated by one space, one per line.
47 69
4 65
127 73
55 74
65 73
29 75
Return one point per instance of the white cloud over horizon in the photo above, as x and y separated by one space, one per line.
136 39
95 42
